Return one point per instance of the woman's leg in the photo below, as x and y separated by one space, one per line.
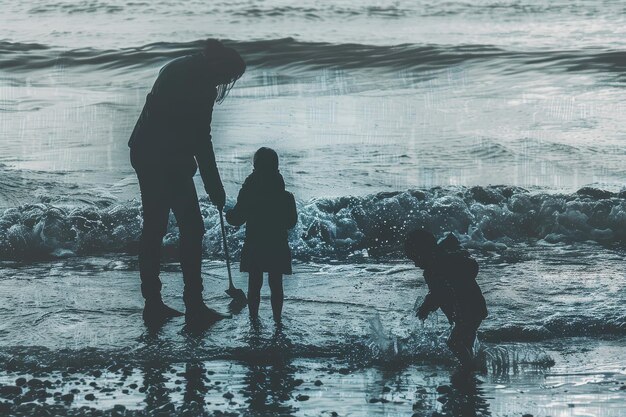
155 207
255 282
276 286
191 228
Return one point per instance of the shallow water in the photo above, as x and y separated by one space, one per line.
547 349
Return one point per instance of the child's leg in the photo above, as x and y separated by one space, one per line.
255 282
276 285
458 343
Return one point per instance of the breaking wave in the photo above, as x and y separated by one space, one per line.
485 218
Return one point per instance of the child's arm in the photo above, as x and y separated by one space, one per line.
429 305
291 213
238 215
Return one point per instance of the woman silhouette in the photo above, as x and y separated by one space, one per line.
170 141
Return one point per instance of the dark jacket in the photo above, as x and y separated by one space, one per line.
268 212
174 128
451 280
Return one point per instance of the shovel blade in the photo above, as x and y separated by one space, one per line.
237 295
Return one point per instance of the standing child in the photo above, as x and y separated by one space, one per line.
268 212
450 274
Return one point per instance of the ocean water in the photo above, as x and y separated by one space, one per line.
499 121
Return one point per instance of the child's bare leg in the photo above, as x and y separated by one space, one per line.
255 282
276 285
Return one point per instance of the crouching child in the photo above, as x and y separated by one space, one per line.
450 274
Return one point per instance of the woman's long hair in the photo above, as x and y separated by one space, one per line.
228 64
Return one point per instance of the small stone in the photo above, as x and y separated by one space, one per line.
298 382
374 400
302 397
133 386
20 382
228 396
10 390
97 373
527 415
35 383
68 398
318 383
90 397
386 389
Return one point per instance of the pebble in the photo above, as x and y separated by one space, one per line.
9 390
302 397
90 397
318 383
228 396
35 383
68 398
20 382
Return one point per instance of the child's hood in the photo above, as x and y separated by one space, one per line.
265 181
453 259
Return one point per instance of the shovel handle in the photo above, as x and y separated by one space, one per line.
230 277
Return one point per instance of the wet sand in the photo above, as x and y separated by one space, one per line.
272 383
72 343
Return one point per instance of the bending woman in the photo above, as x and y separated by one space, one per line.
170 141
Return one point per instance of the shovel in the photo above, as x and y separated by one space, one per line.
236 294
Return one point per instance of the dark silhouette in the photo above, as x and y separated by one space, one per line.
268 212
450 274
170 141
